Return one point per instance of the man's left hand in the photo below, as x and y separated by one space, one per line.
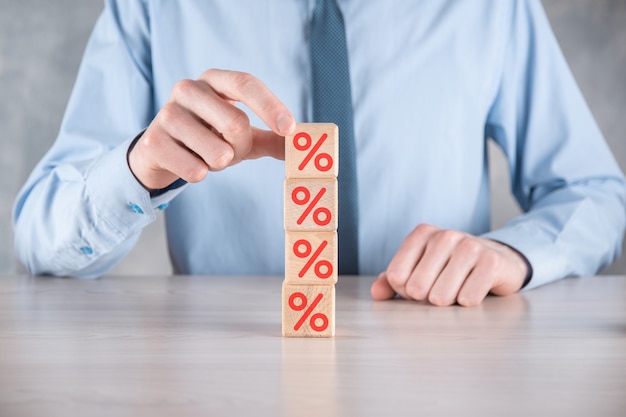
448 266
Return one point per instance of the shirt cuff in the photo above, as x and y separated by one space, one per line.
115 192
117 208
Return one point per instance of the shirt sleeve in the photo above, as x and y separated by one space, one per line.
82 210
563 174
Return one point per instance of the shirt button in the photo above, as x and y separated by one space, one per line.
135 208
163 206
86 250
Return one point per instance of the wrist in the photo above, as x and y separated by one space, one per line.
520 274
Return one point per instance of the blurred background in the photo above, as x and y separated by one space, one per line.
42 41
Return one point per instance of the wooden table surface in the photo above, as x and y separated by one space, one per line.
212 346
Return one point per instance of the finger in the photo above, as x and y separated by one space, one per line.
436 255
404 261
477 285
186 128
266 143
513 270
446 288
228 122
249 90
381 290
157 160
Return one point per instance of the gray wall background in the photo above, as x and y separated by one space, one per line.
41 44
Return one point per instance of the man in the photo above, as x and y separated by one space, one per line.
430 83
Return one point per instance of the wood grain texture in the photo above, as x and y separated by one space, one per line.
307 200
203 346
308 310
311 258
312 151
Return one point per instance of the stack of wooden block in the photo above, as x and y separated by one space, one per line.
311 161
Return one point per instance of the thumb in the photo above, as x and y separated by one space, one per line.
380 289
266 143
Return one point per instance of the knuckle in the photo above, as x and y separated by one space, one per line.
222 159
395 278
490 259
447 237
195 173
151 143
169 115
438 299
417 290
237 125
183 88
424 228
210 73
467 301
420 233
148 142
470 246
243 81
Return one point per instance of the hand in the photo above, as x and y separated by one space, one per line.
447 266
200 129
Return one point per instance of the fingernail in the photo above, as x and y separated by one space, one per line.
285 124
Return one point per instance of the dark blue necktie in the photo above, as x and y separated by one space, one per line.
332 102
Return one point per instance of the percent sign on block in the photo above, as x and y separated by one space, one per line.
311 205
311 258
308 310
311 152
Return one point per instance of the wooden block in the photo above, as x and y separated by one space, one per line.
311 205
311 258
312 151
308 310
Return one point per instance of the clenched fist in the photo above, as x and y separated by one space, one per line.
448 266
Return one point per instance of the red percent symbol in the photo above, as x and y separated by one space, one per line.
323 161
303 248
301 196
298 302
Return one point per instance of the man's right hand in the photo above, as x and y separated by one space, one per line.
200 129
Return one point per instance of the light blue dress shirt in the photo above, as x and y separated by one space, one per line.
431 81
